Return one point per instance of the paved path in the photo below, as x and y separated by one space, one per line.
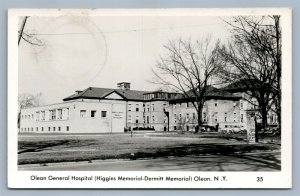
259 161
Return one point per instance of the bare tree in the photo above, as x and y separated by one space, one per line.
189 68
253 57
32 40
27 101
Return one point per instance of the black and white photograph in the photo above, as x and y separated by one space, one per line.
149 98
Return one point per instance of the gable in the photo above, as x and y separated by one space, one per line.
113 95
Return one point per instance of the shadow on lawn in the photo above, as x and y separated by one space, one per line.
248 162
178 151
29 146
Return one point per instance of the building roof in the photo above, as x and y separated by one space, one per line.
212 93
100 93
241 85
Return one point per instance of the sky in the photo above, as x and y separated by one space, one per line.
100 51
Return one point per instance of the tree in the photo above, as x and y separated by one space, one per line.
32 40
189 68
253 57
27 101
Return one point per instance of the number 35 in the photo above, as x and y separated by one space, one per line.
259 179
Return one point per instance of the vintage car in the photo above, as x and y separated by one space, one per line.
229 129
208 128
271 129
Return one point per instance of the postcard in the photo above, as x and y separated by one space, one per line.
150 98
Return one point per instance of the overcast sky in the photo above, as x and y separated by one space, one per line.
79 52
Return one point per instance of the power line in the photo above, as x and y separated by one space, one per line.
125 31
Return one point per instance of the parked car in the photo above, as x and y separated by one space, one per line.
208 128
229 129
271 129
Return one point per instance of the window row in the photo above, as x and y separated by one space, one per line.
146 107
188 117
92 114
216 102
48 115
31 129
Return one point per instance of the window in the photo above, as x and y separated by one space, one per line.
175 118
43 115
37 129
234 104
165 120
216 103
216 116
179 116
129 107
59 114
31 129
137 107
52 114
53 128
187 116
242 118
204 117
225 117
234 117
152 107
153 119
147 119
59 129
241 104
67 113
82 113
103 114
32 116
137 119
37 116
49 128
42 128
194 116
175 128
67 128
93 113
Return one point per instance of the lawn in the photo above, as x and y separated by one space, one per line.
65 148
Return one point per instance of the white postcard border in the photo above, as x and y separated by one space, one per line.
22 179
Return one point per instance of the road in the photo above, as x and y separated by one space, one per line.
258 161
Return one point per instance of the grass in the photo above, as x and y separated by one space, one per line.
41 149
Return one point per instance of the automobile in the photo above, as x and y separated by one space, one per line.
229 129
208 128
271 129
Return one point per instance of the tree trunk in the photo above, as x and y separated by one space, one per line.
264 115
199 113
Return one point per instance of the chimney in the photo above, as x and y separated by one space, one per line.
124 85
78 91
